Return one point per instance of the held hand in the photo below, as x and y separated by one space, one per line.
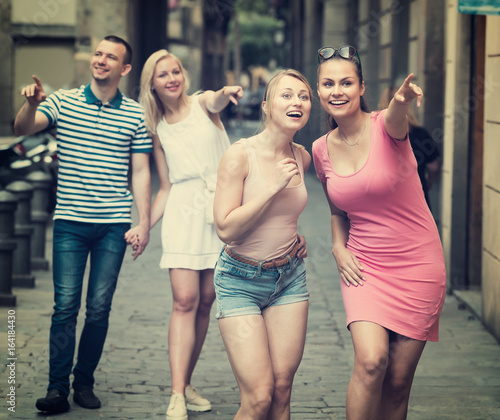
284 171
138 238
349 267
302 251
408 92
234 93
34 93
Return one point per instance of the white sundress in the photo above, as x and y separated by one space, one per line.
192 145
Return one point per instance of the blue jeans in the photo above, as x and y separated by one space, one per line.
73 242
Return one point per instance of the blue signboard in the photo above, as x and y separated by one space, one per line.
479 7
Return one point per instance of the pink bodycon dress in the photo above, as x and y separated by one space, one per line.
393 235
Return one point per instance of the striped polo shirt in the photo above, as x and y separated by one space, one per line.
94 143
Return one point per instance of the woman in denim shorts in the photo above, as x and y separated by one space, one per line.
260 279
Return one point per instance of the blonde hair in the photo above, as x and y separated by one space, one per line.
153 107
270 90
385 99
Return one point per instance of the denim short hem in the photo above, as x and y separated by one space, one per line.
252 310
288 299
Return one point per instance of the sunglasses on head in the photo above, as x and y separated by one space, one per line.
346 52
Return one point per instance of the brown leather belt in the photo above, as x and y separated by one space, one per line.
275 262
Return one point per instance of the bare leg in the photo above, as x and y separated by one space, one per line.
245 339
404 355
371 350
286 330
181 334
207 297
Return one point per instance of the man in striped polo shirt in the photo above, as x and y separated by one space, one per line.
100 134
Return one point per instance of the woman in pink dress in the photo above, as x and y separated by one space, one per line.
385 241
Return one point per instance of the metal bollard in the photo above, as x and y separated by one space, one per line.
23 230
42 183
8 204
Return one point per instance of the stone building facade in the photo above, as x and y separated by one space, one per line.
471 174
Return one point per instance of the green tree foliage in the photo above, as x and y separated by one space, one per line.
261 7
258 44
258 34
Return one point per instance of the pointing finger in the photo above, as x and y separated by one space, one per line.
408 79
37 81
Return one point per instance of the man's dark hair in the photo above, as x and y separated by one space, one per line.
117 40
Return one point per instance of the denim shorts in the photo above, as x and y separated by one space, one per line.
244 289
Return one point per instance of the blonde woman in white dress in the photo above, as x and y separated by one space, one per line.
189 140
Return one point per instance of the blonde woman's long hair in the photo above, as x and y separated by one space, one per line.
386 98
153 107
